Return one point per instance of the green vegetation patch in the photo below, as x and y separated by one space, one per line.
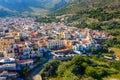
80 68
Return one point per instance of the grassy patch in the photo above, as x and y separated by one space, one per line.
117 51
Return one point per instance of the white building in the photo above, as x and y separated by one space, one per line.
55 44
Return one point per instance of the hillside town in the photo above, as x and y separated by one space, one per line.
25 42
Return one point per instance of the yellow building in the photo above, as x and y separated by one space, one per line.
9 52
16 35
64 35
6 41
61 35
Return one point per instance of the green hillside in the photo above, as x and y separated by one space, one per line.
79 5
81 68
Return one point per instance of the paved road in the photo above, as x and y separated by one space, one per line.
38 69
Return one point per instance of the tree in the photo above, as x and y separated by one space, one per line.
91 71
50 68
116 65
62 68
68 75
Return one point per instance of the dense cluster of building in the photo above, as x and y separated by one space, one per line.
23 39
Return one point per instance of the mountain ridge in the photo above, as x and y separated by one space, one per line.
30 6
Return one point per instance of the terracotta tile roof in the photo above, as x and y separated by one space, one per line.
62 50
25 61
1 73
12 72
